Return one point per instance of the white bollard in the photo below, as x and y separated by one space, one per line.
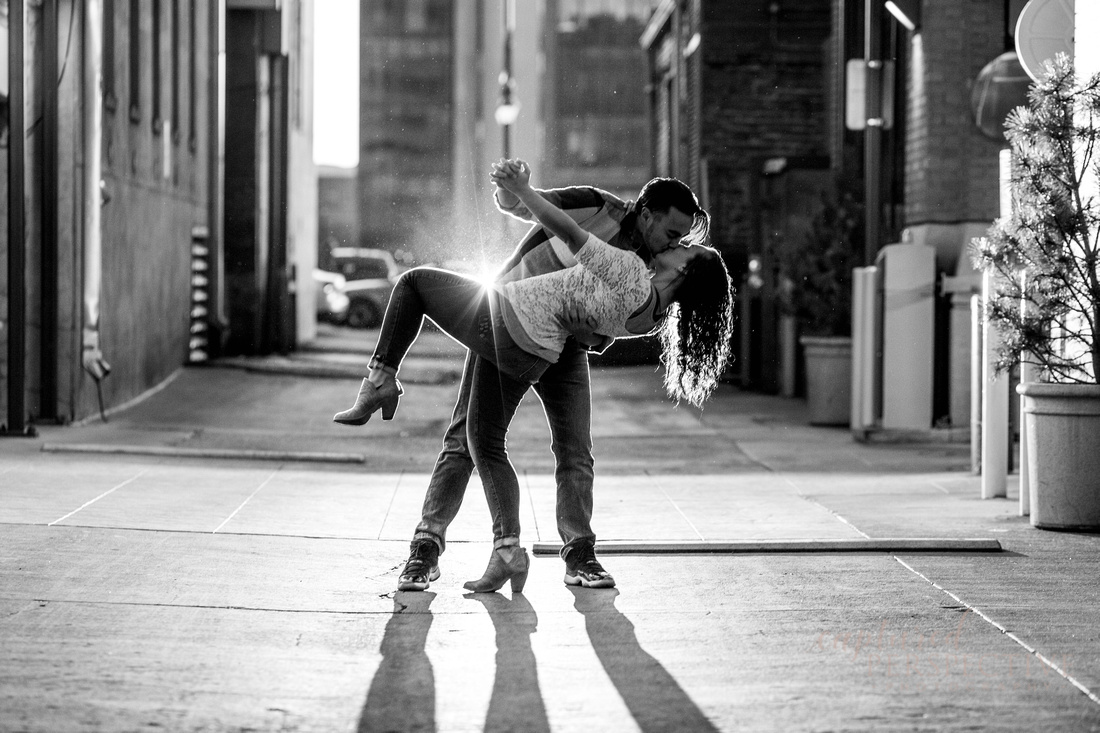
1029 372
994 410
863 351
977 384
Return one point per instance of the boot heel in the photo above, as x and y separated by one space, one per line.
500 571
370 399
518 582
389 409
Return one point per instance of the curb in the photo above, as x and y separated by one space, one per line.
230 453
412 372
892 544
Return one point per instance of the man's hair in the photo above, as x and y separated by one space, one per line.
662 194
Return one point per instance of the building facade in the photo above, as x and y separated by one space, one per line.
753 104
738 111
123 248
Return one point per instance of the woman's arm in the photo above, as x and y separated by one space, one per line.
514 176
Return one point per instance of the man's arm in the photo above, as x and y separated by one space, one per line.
571 199
514 177
583 329
581 325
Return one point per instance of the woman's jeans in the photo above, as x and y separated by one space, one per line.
499 372
464 308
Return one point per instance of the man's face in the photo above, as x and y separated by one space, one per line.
661 230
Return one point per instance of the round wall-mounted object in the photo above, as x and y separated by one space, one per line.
1045 28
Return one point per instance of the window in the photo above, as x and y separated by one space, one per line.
174 112
110 98
155 45
192 75
135 60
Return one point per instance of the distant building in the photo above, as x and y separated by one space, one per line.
337 208
595 95
430 88
405 130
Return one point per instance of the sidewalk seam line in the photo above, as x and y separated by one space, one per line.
531 503
675 505
836 515
940 487
247 499
389 507
135 477
1050 663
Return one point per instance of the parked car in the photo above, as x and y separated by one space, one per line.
370 276
363 263
332 302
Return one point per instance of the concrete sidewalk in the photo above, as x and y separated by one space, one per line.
220 556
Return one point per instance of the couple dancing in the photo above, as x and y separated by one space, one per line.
592 269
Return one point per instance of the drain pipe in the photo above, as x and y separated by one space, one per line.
17 245
94 197
49 275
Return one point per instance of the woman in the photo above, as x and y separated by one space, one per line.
515 333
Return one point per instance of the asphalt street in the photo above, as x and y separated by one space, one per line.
219 556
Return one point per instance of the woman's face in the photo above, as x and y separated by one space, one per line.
673 261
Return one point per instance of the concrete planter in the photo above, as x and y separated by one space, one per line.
828 378
1063 448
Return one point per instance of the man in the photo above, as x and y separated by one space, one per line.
665 213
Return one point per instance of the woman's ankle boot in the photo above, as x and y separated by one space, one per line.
509 562
370 400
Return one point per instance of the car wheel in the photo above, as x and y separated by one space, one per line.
364 314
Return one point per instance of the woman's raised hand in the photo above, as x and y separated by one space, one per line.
511 174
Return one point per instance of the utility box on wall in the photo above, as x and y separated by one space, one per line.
907 279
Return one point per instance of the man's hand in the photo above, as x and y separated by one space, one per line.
583 326
511 175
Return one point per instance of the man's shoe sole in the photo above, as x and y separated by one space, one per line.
411 585
578 580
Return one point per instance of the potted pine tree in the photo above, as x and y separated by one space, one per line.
1045 257
818 292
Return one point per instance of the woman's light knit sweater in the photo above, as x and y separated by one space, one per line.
609 284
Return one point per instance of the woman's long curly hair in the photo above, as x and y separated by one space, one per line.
695 336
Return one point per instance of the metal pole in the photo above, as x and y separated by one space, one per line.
47 403
218 322
872 134
17 290
508 20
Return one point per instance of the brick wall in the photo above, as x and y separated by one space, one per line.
763 97
951 169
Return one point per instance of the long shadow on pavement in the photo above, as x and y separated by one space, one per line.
516 703
402 693
653 696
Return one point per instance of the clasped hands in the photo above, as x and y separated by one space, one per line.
511 174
